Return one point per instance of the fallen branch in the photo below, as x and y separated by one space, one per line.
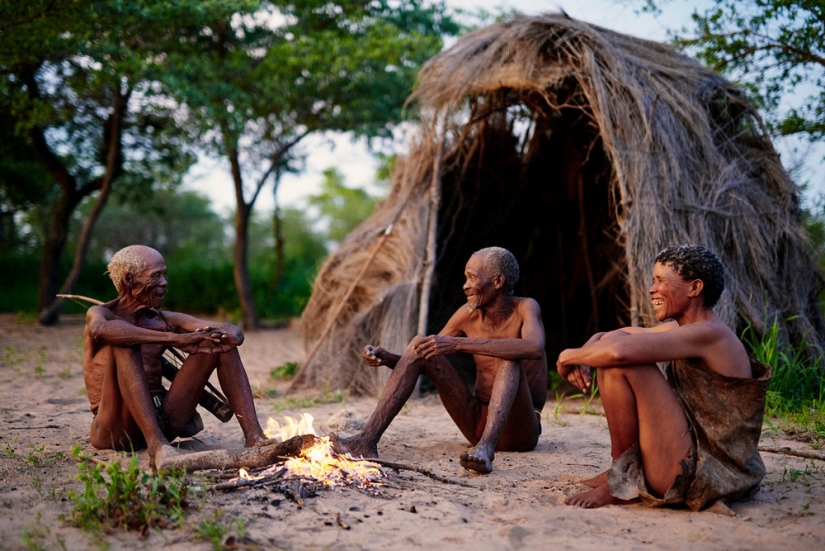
249 458
795 453
419 470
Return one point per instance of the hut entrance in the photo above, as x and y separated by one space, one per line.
538 185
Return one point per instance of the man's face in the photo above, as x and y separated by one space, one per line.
149 285
668 293
479 286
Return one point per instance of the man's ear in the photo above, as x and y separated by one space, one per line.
498 281
695 287
129 280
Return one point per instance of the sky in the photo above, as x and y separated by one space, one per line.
358 165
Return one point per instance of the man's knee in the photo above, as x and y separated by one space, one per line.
609 376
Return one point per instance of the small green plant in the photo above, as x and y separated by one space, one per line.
795 474
127 498
285 372
65 374
11 356
36 483
34 536
8 449
218 530
39 458
39 369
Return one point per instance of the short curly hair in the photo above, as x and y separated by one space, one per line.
696 262
498 260
127 260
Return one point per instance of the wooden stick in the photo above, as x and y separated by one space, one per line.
795 453
435 204
300 377
250 458
419 470
80 297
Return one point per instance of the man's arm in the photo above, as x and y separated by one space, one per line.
106 328
579 374
621 348
374 356
226 332
450 340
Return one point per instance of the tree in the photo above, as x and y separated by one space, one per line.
179 224
341 208
774 47
79 79
262 83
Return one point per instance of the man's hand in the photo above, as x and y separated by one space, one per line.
434 345
222 336
201 342
577 375
375 355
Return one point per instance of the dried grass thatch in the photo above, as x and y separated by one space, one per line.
584 152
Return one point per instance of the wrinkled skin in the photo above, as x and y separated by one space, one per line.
123 343
506 338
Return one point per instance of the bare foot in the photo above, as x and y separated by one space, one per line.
356 446
257 440
596 481
479 459
597 497
163 456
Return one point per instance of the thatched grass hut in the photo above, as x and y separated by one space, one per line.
584 152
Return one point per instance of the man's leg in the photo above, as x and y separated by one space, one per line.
187 388
640 407
512 423
126 417
456 397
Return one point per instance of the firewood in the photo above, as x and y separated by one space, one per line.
250 458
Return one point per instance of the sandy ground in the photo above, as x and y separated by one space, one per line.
44 412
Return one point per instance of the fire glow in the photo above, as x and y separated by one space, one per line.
318 463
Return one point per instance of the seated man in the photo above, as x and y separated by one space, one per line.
123 343
505 335
688 437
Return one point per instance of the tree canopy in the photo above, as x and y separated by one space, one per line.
774 47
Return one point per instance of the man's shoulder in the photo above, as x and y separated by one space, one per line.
527 304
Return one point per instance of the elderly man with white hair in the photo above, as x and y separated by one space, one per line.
505 336
124 341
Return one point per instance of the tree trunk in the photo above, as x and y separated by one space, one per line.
249 313
279 247
50 314
54 245
113 132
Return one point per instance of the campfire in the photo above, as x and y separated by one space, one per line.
314 465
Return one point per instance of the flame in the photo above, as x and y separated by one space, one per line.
243 474
318 462
291 428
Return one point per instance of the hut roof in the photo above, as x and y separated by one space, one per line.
585 152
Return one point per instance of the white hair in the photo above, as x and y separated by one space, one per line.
127 260
498 260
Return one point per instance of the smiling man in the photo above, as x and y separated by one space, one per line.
124 341
689 436
505 335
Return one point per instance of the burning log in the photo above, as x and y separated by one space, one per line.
250 458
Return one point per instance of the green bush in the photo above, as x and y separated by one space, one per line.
796 391
127 498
